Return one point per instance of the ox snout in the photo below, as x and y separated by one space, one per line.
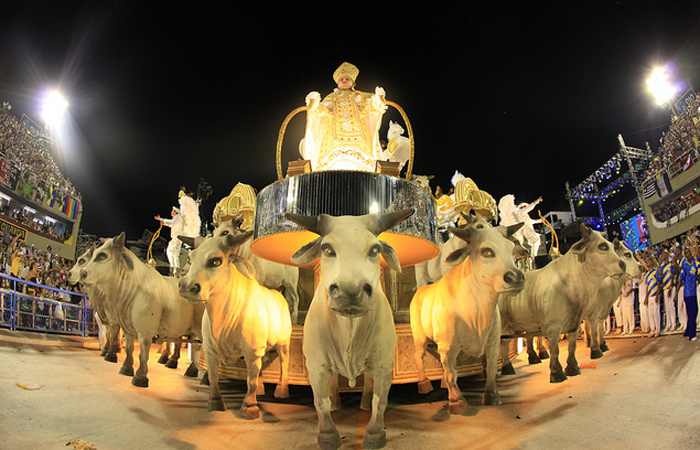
514 281
351 301
623 269
191 291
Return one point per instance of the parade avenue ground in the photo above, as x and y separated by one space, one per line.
643 394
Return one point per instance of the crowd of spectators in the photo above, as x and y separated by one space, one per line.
37 266
25 148
679 145
678 208
25 218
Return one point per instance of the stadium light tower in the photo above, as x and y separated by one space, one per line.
53 107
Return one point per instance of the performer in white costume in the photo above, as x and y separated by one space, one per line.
173 250
511 214
342 130
626 302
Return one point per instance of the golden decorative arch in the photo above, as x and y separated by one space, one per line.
241 201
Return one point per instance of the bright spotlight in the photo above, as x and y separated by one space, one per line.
660 86
53 108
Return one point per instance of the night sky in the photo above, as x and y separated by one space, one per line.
520 98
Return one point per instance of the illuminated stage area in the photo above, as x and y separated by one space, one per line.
609 407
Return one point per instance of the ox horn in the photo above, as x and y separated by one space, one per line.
120 240
512 229
311 223
236 240
382 222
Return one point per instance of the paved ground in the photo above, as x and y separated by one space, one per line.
644 394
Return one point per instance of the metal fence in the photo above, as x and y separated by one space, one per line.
25 306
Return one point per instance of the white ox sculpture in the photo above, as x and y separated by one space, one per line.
146 304
555 298
349 328
459 312
608 292
98 300
269 274
242 318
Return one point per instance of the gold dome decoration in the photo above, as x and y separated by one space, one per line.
241 200
469 198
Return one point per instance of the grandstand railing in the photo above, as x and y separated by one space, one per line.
23 308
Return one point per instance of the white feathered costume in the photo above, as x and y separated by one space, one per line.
511 214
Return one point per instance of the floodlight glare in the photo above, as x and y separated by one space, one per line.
53 108
660 86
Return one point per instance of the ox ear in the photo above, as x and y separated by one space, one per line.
244 266
236 240
237 221
378 223
120 240
579 248
126 259
387 251
308 253
457 256
519 251
617 244
467 235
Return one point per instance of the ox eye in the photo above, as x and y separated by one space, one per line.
328 251
628 255
373 252
480 226
101 257
603 247
215 262
487 253
224 233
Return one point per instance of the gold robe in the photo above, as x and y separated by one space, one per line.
342 131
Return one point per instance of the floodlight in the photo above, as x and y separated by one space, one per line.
53 108
660 86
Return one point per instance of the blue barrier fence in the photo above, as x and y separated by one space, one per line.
24 306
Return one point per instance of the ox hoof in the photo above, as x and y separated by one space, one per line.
103 352
507 369
595 354
572 371
533 359
330 440
492 398
604 347
282 391
374 440
171 364
163 359
192 372
140 382
216 405
205 379
425 386
457 408
111 357
557 377
249 412
544 354
127 371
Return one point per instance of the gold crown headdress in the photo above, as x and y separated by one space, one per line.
346 69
